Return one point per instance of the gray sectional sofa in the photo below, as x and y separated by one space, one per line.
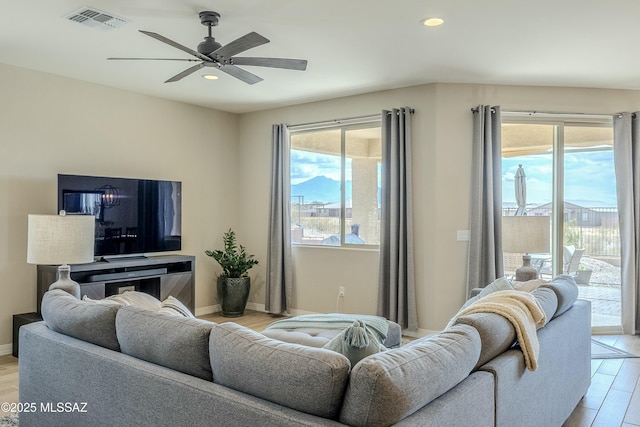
94 364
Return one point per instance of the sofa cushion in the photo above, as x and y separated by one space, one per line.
548 301
308 379
386 387
94 323
566 290
497 334
175 342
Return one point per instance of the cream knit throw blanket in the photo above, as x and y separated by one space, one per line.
520 308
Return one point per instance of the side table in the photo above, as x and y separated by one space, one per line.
20 320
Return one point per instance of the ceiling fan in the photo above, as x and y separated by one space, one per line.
210 53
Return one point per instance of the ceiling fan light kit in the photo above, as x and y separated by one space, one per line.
210 53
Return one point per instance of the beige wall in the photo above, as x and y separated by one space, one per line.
51 125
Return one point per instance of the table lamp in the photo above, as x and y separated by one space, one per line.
525 234
61 240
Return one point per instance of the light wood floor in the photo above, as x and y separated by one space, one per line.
613 399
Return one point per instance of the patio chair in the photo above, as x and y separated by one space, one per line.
575 257
570 261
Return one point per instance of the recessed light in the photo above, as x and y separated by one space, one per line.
432 22
210 77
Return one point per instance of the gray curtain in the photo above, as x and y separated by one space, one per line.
485 243
279 265
626 150
396 287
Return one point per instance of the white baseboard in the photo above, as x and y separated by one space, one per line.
6 349
256 307
201 311
606 330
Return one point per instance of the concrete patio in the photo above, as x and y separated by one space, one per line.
605 303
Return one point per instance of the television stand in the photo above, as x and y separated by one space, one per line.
160 276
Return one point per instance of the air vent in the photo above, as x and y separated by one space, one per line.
95 18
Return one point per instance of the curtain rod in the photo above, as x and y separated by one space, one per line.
551 113
557 113
348 120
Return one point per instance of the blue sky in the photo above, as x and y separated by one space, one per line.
589 176
306 165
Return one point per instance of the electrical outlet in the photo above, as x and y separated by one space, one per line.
341 291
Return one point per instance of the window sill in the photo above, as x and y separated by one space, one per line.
363 248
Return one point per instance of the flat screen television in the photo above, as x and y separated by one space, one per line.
133 216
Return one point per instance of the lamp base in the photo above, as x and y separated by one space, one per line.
65 283
527 271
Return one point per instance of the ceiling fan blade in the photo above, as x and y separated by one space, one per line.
185 73
241 74
245 42
163 39
289 64
153 59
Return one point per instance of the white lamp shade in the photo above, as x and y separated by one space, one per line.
525 234
60 239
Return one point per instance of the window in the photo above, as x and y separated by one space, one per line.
335 185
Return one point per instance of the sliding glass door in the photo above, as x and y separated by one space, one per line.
569 175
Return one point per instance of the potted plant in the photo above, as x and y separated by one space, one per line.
234 283
583 275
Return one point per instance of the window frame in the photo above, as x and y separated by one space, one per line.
559 121
344 125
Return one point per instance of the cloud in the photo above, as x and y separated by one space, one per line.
306 165
588 175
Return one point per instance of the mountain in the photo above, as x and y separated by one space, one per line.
320 189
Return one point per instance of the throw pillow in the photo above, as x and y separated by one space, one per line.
501 284
141 299
356 342
529 285
173 305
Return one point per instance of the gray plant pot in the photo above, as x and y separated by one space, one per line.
234 293
583 277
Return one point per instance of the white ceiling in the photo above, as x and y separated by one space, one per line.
353 46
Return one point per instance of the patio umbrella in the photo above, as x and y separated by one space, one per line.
521 191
